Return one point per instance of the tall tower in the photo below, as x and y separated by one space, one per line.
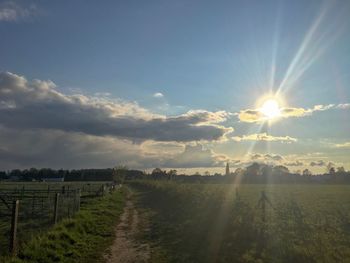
227 169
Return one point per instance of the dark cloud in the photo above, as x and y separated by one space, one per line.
42 127
255 156
318 163
38 105
275 157
266 157
59 149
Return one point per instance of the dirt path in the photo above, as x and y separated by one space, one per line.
125 248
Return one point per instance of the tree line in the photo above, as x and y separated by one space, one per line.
254 173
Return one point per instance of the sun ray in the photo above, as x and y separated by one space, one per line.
314 45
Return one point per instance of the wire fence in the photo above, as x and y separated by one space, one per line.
28 209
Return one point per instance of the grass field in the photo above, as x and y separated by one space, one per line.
36 207
225 223
83 238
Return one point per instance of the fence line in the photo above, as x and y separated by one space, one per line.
34 209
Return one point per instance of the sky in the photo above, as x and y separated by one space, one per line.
174 84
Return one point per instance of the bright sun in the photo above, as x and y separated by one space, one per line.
271 109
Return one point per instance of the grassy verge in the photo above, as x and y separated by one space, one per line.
84 238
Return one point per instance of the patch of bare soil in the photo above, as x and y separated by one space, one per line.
126 249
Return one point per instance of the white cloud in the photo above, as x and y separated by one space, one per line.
342 145
264 137
266 157
102 94
343 106
294 163
12 12
158 95
255 115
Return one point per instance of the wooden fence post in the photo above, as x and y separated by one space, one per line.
55 213
78 200
33 203
14 221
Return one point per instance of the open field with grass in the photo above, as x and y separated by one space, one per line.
37 207
227 223
82 238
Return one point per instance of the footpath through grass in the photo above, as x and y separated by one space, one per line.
83 238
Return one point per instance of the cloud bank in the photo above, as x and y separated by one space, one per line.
59 149
43 127
38 105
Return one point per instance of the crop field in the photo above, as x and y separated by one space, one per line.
36 206
246 223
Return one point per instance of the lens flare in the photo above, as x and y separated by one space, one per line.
271 109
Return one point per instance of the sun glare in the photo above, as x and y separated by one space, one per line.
271 109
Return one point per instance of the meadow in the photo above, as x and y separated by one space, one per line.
246 223
36 207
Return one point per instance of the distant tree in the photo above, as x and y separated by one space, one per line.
206 173
157 173
330 168
3 175
239 171
298 172
253 169
119 173
340 169
280 170
16 174
172 174
34 173
266 170
307 172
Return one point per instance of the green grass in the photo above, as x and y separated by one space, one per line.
83 238
209 223
36 207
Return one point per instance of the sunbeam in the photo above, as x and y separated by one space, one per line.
317 40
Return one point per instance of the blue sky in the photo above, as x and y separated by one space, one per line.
200 55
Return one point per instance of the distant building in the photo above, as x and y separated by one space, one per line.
53 179
227 169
